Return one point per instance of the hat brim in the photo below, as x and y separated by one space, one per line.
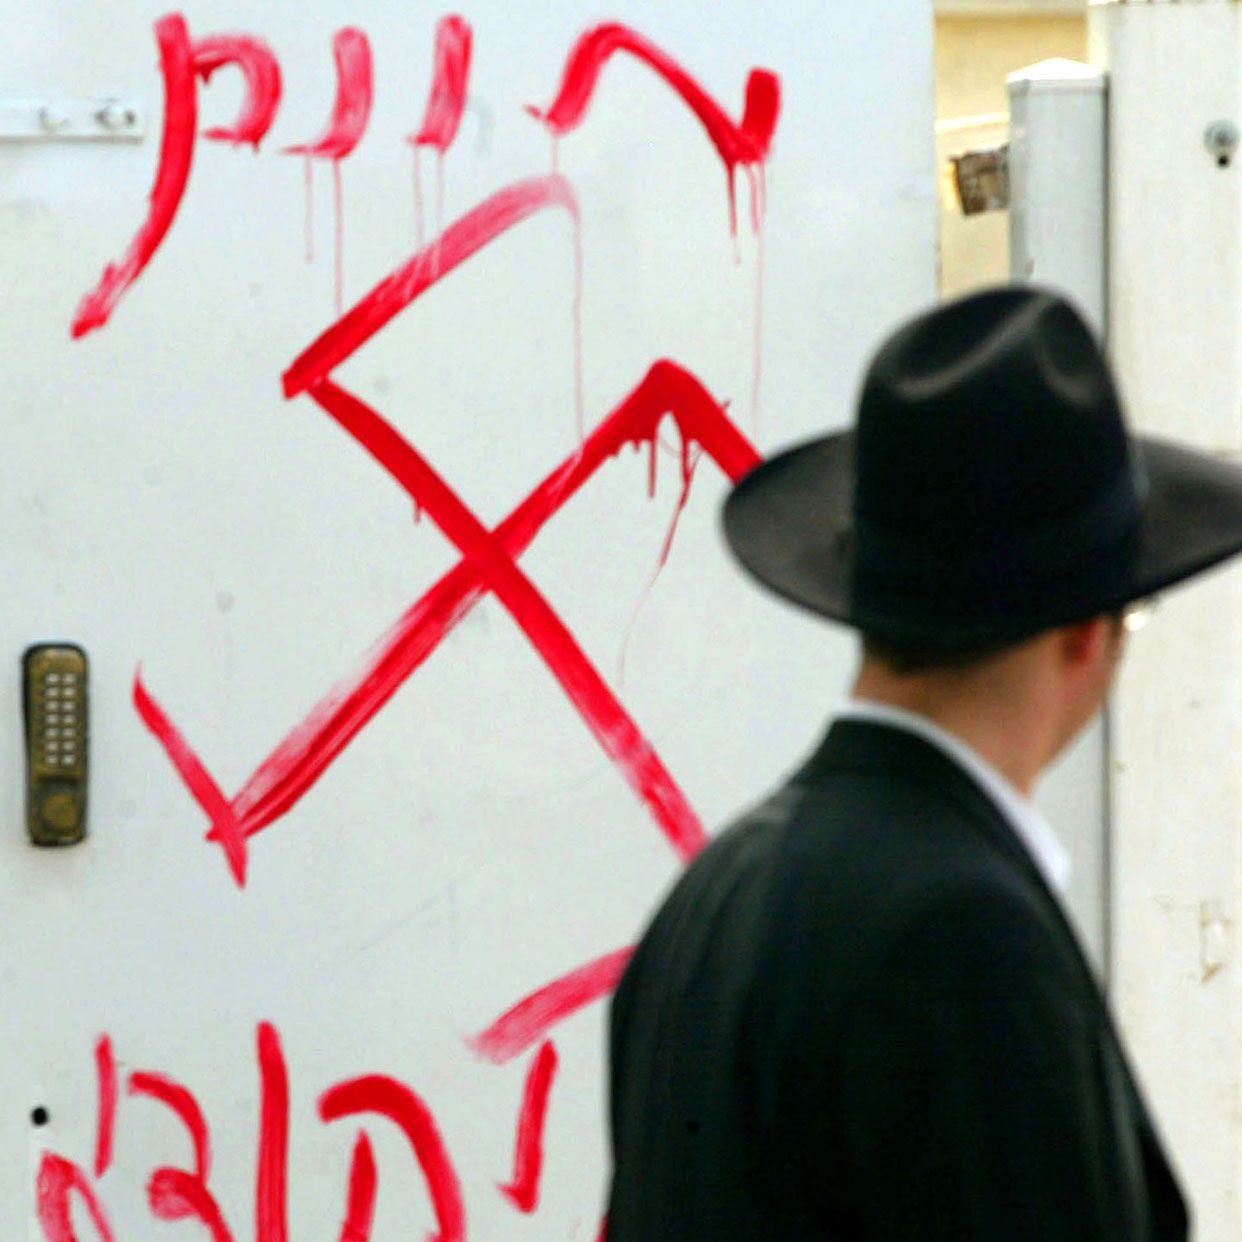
790 524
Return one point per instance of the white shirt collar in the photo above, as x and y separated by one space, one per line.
1049 854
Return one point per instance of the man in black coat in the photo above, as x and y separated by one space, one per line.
862 1014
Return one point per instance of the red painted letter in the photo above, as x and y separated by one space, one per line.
180 61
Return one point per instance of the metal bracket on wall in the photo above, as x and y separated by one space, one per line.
114 119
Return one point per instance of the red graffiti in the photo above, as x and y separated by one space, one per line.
447 99
183 1104
489 557
105 1068
351 52
389 1098
305 754
360 1207
58 1182
488 565
271 1198
351 110
180 62
523 1190
746 143
530 1019
225 827
179 1194
261 74
446 102
461 241
174 1194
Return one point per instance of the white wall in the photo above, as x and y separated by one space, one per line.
1175 325
164 506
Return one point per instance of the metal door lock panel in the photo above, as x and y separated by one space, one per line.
55 708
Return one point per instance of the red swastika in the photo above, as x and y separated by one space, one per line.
488 557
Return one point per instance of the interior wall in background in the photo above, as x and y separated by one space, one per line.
974 55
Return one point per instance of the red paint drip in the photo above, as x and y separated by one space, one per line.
338 220
261 73
175 1194
298 762
744 143
523 1190
355 93
308 222
105 1068
224 825
530 1019
447 99
176 156
180 1100
180 62
388 1098
464 238
271 1189
596 704
57 1183
690 456
360 1210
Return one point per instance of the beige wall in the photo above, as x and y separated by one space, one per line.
974 55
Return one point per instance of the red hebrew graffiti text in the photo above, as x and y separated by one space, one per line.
261 72
183 1104
271 1197
389 1098
179 1194
745 143
351 110
351 50
175 1194
446 102
523 1190
59 1181
180 61
105 1068
360 1207
447 99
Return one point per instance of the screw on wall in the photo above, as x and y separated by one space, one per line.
1221 139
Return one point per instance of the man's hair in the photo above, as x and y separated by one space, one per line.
907 659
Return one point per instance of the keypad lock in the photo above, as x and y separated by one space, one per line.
54 677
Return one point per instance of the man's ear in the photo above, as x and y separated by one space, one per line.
1086 642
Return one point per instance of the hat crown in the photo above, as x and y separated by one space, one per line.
989 490
985 422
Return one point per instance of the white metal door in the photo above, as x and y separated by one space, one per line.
315 628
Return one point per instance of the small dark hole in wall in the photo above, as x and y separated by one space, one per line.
40 1116
1222 162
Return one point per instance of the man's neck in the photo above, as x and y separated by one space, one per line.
994 730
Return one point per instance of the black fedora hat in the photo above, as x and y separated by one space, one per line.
989 490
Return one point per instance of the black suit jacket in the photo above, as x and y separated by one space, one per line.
861 1014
